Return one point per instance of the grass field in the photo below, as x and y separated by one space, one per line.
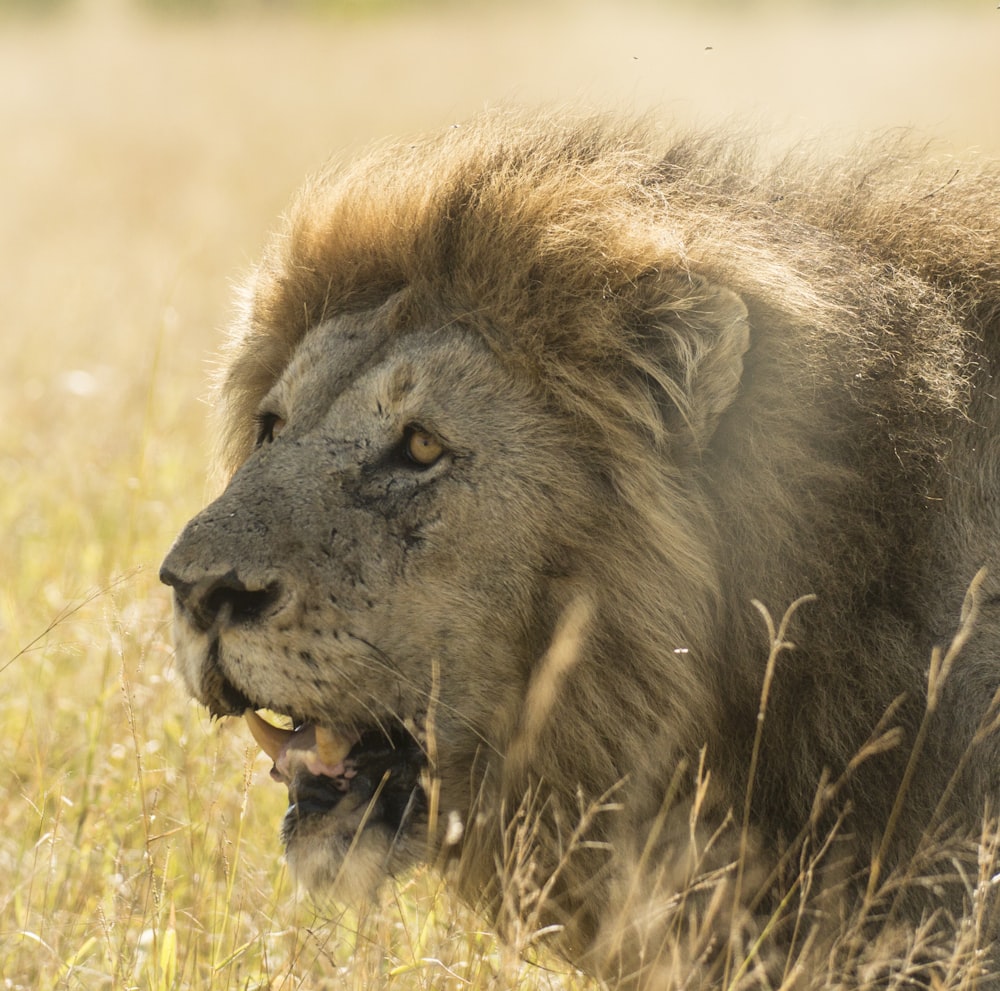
143 161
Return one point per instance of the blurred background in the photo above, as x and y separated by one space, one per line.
146 147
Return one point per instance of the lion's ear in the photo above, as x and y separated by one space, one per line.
697 333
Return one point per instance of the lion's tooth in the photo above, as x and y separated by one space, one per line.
330 747
270 739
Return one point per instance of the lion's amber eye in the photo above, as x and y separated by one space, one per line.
269 425
423 448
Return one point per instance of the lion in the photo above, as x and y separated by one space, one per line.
531 426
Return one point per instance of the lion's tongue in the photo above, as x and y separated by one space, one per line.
311 748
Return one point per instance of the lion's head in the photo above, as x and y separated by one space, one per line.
519 419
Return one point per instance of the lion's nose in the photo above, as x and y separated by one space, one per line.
220 599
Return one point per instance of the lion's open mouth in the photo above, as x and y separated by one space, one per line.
379 769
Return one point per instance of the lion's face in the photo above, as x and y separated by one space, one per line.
373 572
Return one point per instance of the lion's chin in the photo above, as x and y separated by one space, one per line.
330 860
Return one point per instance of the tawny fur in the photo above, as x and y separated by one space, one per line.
737 382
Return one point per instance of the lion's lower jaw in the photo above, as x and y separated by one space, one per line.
340 845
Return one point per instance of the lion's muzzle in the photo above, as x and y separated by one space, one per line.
345 776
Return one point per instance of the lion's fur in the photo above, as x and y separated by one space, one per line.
774 380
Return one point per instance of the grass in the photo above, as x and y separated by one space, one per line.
142 165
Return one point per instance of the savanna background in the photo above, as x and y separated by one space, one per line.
145 150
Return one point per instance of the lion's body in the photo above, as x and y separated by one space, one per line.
665 385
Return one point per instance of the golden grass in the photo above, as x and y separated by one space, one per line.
142 164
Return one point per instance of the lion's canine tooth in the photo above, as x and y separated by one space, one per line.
331 748
270 739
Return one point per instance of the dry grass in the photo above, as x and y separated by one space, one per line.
142 164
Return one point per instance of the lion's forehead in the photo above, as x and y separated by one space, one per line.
358 366
335 354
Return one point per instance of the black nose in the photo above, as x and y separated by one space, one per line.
223 599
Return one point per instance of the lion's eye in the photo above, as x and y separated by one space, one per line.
422 448
269 425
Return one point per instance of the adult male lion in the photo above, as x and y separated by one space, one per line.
521 419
